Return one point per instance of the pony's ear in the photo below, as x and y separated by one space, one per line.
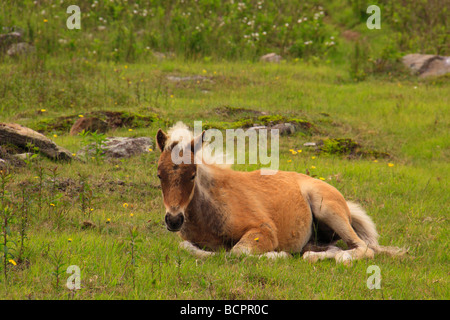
161 139
197 142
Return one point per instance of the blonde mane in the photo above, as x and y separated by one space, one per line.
181 134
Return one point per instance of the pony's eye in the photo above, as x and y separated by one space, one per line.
193 176
159 177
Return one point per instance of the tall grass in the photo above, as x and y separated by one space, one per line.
132 31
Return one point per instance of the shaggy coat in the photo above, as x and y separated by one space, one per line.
214 207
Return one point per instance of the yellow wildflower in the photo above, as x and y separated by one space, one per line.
80 116
313 167
256 239
313 157
131 214
390 164
43 110
322 178
45 20
108 220
125 205
289 160
150 149
69 240
12 262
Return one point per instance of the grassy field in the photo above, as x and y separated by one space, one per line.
406 118
107 216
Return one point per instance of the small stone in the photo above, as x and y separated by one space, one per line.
271 57
310 144
21 48
120 147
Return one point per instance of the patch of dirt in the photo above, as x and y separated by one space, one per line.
228 111
114 120
348 147
351 35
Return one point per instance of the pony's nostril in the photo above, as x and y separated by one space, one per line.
180 219
174 222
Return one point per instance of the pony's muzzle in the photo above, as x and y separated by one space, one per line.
174 221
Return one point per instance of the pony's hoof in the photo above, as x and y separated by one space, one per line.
310 256
344 258
276 255
187 245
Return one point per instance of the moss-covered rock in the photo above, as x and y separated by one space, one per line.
349 147
260 120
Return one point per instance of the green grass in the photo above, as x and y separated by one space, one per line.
366 97
404 117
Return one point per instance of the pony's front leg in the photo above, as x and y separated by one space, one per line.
261 242
195 250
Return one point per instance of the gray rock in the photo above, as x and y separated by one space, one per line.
187 78
310 144
257 128
20 136
271 57
120 147
23 156
6 40
426 65
21 48
284 128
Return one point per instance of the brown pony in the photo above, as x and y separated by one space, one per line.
213 208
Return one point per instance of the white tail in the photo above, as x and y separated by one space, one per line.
366 230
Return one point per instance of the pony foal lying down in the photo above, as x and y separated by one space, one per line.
213 208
